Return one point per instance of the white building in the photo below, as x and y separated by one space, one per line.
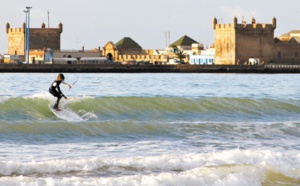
205 58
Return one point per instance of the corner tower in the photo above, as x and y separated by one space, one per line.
16 40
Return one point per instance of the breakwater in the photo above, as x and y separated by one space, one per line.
117 68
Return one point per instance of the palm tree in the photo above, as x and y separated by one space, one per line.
181 55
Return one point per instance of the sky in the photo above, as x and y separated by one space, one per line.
93 23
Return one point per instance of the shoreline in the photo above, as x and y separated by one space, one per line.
117 68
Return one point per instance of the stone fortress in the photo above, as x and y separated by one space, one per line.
40 38
234 44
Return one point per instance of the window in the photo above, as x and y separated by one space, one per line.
296 54
278 54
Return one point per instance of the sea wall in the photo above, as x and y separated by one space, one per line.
113 68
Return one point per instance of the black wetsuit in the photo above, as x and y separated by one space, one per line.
55 91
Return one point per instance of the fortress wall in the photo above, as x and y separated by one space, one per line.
287 53
45 38
255 41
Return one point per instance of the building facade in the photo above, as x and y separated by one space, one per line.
240 43
40 38
287 48
205 58
127 51
237 42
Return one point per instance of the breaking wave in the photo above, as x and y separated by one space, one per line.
153 108
111 117
233 167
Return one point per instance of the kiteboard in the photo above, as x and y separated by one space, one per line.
66 114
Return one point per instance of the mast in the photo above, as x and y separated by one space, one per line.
48 19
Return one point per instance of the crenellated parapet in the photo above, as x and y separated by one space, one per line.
274 22
60 27
222 26
215 22
7 27
235 22
244 26
14 30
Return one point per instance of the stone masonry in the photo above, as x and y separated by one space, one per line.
40 38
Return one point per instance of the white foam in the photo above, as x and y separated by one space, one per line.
230 168
238 176
67 115
87 115
44 95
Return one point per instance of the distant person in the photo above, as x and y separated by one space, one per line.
55 89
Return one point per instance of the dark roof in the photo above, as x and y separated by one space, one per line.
127 42
289 40
184 41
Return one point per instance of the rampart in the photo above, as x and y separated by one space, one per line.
251 27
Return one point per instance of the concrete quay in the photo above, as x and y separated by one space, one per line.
113 68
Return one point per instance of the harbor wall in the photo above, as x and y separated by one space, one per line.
113 68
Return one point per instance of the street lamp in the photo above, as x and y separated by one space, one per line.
25 39
27 23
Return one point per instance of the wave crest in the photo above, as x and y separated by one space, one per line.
153 108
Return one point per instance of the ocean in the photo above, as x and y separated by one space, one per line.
151 129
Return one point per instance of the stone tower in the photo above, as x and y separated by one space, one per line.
236 43
40 38
16 40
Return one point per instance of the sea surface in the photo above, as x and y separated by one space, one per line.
151 129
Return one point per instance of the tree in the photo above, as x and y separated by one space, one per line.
181 55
